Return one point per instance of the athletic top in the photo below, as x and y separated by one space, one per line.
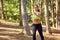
35 17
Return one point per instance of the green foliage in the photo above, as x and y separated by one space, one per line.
11 9
28 8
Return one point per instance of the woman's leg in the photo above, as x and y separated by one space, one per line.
40 32
34 32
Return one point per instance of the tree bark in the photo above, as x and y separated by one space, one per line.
56 13
52 8
32 5
3 15
21 24
48 30
39 2
24 16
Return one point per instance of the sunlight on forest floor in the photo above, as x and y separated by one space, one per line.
12 32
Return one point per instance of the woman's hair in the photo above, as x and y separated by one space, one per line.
36 6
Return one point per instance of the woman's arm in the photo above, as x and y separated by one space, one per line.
37 12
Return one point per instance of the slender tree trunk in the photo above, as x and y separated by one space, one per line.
39 2
21 24
52 8
32 4
48 30
56 13
3 15
24 16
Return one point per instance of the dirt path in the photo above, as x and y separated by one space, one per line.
11 31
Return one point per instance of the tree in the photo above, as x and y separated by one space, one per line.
32 4
24 16
56 13
48 30
3 15
53 15
20 13
39 2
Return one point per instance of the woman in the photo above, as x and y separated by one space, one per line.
36 18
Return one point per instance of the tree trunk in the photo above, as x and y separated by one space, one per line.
3 15
32 4
52 8
57 13
39 2
48 30
21 24
24 16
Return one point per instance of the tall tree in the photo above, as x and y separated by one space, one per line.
53 15
3 15
39 2
48 30
20 14
56 13
24 16
32 4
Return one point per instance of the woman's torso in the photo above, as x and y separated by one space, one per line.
36 19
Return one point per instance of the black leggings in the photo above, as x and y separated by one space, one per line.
39 28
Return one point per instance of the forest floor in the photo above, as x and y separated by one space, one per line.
11 31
